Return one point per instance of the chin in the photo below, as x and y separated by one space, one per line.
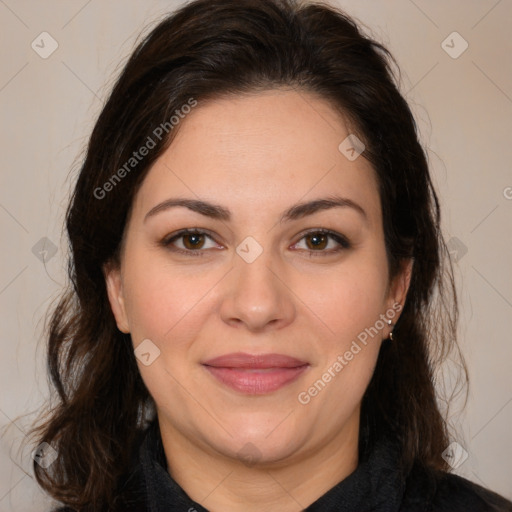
260 445
263 452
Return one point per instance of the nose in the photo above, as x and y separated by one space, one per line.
256 295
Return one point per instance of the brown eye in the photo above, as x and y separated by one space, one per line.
317 241
322 242
193 241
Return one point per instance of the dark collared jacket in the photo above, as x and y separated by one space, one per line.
377 485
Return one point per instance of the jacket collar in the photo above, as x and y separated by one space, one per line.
377 484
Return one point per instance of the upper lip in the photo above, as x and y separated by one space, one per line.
243 360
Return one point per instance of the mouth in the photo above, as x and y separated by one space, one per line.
255 374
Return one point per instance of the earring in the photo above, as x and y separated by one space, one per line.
391 333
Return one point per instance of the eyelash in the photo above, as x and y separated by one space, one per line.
337 237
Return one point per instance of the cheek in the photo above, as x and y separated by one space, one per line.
350 299
162 301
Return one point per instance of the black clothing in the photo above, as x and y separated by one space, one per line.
376 485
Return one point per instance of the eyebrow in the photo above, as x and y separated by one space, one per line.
297 211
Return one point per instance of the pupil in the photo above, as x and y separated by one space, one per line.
318 241
193 240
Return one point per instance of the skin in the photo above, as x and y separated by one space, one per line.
256 155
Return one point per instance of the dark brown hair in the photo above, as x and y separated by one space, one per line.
205 50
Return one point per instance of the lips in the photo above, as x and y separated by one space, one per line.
255 373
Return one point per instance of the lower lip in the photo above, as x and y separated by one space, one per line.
256 381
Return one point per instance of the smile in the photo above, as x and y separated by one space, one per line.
256 374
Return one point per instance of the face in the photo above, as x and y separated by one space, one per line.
284 257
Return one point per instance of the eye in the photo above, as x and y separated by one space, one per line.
190 241
322 242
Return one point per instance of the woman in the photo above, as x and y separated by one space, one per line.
260 290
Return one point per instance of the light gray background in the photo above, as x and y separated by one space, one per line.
464 111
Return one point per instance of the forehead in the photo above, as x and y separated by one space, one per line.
260 150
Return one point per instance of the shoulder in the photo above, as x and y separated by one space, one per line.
455 490
131 492
435 491
131 496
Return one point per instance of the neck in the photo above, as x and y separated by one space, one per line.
221 483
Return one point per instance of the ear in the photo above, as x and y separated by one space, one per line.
400 285
114 283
